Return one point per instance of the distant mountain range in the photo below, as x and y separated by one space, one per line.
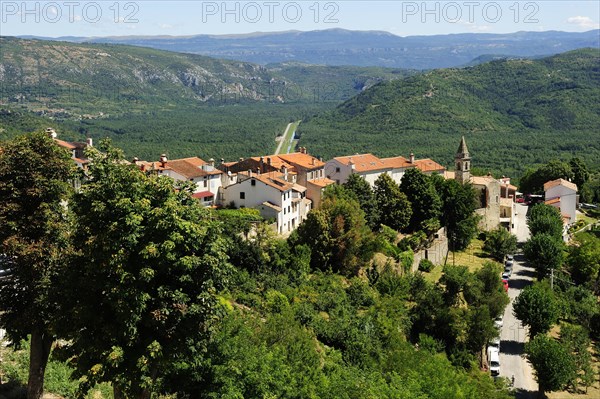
362 48
85 78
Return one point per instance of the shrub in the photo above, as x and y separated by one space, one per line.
425 265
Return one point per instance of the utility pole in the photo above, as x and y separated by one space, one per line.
552 279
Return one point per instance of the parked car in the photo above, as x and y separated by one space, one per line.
505 283
498 322
510 257
509 262
505 276
494 362
508 270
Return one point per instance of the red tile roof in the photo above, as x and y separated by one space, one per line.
363 162
560 182
203 194
428 165
398 162
65 144
301 159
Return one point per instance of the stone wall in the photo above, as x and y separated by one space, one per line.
436 253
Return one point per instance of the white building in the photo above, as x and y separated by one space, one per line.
203 174
370 167
279 200
562 194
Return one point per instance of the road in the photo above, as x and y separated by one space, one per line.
514 335
286 137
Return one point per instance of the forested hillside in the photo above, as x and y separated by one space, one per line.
513 113
152 101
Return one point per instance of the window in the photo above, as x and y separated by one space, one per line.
253 182
337 170
242 195
205 183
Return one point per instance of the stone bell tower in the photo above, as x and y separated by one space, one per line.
462 162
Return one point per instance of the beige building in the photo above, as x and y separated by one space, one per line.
487 188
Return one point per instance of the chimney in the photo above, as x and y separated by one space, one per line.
269 162
51 132
261 165
351 163
313 161
135 160
222 160
241 159
250 172
304 150
411 157
90 142
163 160
211 162
285 173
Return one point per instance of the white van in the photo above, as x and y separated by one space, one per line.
494 362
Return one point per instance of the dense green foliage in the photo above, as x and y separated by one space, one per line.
34 185
536 307
395 210
499 243
554 367
533 179
149 261
424 199
545 219
514 113
337 234
459 204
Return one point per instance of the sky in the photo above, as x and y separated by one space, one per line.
403 18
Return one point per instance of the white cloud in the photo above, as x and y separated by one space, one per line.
583 22
473 27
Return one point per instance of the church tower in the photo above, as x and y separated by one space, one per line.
463 163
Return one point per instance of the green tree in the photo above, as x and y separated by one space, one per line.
536 307
149 262
365 196
544 252
584 262
394 208
545 219
580 171
590 192
553 364
499 243
425 201
577 341
532 181
458 216
336 233
34 174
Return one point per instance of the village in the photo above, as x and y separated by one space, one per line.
285 187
